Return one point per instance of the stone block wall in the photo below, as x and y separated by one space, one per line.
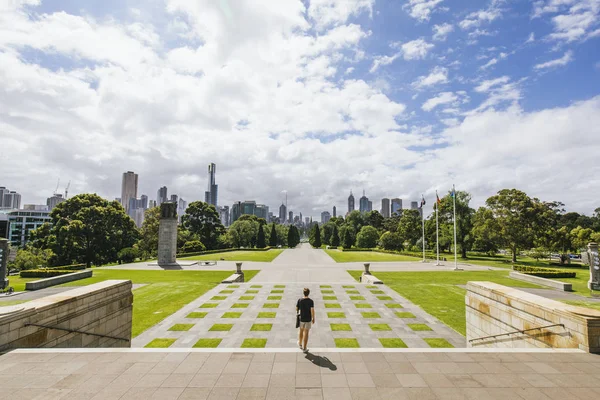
167 241
103 308
493 309
58 280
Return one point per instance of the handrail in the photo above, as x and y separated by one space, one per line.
512 333
76 331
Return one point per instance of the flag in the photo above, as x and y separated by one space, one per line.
453 192
422 201
437 198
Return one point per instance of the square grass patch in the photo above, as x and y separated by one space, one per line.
160 343
400 314
181 327
226 291
340 327
254 343
256 286
349 286
196 315
233 286
325 286
377 292
221 328
438 343
251 292
327 291
266 315
277 291
370 315
329 298
380 327
274 298
332 305
357 297
393 305
218 298
271 305
209 305
345 343
239 305
362 305
371 287
207 343
336 315
352 292
261 327
246 297
232 315
419 327
279 286
392 343
384 298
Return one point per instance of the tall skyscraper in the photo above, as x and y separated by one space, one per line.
161 196
144 201
414 205
350 202
396 206
249 207
224 215
334 211
282 213
291 217
55 200
236 212
151 203
325 216
210 196
369 206
385 207
306 221
363 203
262 211
9 199
174 199
129 188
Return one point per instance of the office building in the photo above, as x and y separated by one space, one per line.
291 217
174 199
22 222
396 206
144 201
181 207
151 203
325 217
210 196
249 207
3 191
55 200
385 207
370 206
363 203
334 211
129 187
282 213
261 211
306 221
161 196
414 205
350 202
224 215
271 217
236 212
9 199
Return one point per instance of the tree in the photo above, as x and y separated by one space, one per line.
273 237
193 246
391 241
485 231
409 227
335 236
327 231
356 220
203 220
293 237
374 219
32 258
127 255
391 224
347 241
367 238
315 236
581 237
148 243
464 220
260 238
243 233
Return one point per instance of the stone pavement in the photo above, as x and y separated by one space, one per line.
364 313
141 374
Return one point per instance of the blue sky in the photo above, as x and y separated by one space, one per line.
316 98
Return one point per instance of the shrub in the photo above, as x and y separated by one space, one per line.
73 267
193 246
543 272
367 237
127 255
43 273
391 241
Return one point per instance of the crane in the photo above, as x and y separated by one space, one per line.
56 190
67 190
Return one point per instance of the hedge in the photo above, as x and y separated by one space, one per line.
43 273
543 272
73 267
200 253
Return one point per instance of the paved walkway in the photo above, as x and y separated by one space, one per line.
504 375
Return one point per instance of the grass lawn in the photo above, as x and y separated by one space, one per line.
370 315
325 286
437 292
392 343
262 256
366 256
196 315
346 343
271 305
266 315
438 343
160 343
380 327
405 315
209 305
208 343
231 315
279 286
357 298
12 302
332 305
181 327
240 305
246 298
336 315
221 327
254 343
419 327
340 327
362 305
329 298
261 327
393 305
580 303
274 298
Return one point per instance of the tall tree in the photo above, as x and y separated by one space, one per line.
148 243
203 220
315 236
409 227
485 231
367 238
391 241
335 236
260 238
273 237
347 240
327 231
374 219
293 236
464 221
243 233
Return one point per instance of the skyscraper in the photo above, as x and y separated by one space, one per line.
291 217
350 203
144 200
334 211
236 212
396 206
262 211
282 213
249 207
174 198
385 207
414 205
129 188
210 196
325 216
224 215
55 200
363 203
369 206
161 196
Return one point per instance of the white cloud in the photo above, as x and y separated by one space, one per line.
414 50
326 13
576 19
422 9
559 62
490 63
477 18
486 85
442 31
382 60
437 76
440 99
501 92
531 38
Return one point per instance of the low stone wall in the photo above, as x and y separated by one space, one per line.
103 308
234 278
493 309
57 280
566 287
369 279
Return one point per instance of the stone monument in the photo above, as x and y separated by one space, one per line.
3 264
167 234
594 262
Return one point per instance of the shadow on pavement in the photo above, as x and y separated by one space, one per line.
322 362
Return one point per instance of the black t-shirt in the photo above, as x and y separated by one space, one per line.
304 305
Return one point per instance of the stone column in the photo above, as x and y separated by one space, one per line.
594 282
167 234
238 270
367 265
3 263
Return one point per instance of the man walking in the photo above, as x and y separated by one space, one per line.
306 308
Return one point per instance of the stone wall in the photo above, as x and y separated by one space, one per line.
103 308
493 309
58 280
167 241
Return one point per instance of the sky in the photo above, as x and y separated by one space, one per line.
313 98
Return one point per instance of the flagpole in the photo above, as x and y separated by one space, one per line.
423 223
437 231
455 250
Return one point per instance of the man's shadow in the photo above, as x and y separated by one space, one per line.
322 362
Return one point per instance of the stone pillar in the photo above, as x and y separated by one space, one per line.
167 234
238 270
3 264
594 260
367 265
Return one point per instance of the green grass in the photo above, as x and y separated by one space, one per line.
261 256
384 298
181 327
336 315
274 297
209 305
380 327
246 298
279 286
438 343
261 327
345 343
329 298
231 315
254 343
277 291
239 305
366 256
391 343
377 292
404 315
160 343
221 328
357 297
326 291
233 286
579 303
251 291
208 343
332 305
325 286
271 305
266 315
419 327
363 305
370 315
393 305
437 293
196 315
256 286
340 327
352 291
227 291
348 286
371 287
216 298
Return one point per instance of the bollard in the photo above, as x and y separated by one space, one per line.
367 265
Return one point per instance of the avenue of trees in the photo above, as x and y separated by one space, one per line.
89 229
